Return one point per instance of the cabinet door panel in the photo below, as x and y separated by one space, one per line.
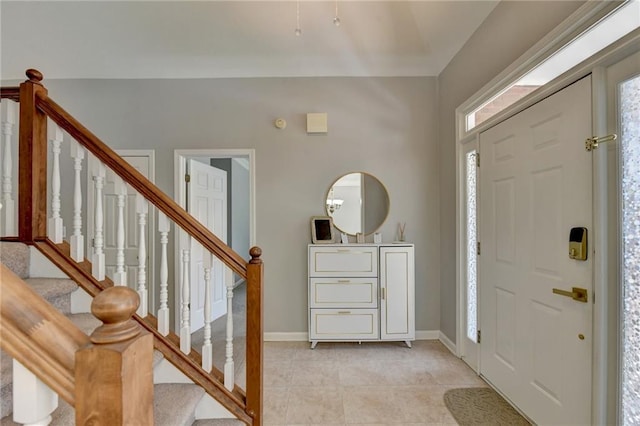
397 305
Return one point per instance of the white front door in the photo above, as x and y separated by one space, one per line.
207 202
536 185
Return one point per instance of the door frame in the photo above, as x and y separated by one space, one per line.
180 157
601 412
151 217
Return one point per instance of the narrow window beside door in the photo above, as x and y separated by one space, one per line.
472 244
630 140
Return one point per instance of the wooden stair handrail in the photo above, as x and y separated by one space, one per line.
38 336
140 183
35 107
12 93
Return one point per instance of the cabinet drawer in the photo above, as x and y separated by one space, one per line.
343 261
344 324
343 292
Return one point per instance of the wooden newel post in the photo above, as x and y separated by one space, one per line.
255 278
32 162
114 373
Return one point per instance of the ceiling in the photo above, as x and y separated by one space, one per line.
205 39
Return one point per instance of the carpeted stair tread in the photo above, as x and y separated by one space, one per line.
6 384
52 287
85 322
16 257
56 290
218 422
175 403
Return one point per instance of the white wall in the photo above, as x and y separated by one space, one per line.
508 32
384 126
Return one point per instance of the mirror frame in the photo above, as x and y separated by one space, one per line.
388 204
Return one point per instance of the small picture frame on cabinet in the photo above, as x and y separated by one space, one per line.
360 238
377 238
344 238
322 230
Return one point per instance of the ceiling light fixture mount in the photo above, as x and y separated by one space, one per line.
298 30
336 19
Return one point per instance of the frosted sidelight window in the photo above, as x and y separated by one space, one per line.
472 244
629 116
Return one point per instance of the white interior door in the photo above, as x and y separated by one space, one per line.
536 184
207 202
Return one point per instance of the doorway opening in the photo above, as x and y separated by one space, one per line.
239 225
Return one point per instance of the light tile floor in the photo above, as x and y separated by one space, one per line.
372 383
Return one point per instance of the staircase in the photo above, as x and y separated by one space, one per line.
174 403
194 380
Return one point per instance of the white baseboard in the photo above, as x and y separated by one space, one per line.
304 337
286 337
448 343
427 334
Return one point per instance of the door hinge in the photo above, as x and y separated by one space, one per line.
187 178
478 248
592 143
477 159
478 336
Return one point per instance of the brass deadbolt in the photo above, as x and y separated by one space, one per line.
581 336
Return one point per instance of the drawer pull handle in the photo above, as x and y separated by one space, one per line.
344 250
344 281
344 312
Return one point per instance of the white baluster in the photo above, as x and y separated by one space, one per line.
229 373
77 239
185 326
33 401
142 209
55 221
98 261
120 276
163 313
207 349
8 205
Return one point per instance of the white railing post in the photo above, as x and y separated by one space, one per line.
163 312
98 260
33 401
55 221
207 349
120 276
229 373
142 209
77 239
185 326
8 205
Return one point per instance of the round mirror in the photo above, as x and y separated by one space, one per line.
358 203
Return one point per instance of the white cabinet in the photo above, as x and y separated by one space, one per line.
361 292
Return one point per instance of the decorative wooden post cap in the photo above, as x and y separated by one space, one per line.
34 75
255 253
115 306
